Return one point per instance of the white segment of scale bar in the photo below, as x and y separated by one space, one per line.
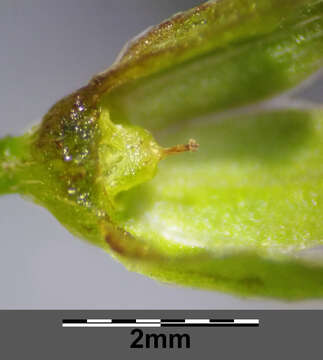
246 321
197 321
111 325
148 320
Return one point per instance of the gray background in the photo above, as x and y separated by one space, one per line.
281 335
48 49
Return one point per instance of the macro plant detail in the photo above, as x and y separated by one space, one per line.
172 161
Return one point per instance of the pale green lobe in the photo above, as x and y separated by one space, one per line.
255 183
236 215
209 27
222 55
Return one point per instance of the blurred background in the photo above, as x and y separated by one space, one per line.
48 49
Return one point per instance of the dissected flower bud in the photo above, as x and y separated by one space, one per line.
233 216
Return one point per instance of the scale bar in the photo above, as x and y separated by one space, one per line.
153 323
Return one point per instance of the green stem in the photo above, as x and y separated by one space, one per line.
14 153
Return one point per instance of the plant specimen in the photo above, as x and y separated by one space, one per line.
116 161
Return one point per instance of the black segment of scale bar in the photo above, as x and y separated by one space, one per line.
222 320
74 321
173 320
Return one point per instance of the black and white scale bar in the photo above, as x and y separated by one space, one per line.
157 323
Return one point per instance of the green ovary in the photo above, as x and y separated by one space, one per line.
127 156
